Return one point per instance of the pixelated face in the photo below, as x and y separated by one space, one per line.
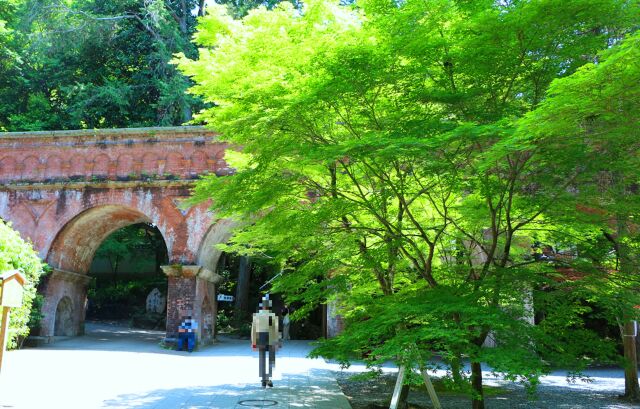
186 323
265 304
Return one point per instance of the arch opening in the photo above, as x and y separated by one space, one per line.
127 284
74 247
73 253
64 325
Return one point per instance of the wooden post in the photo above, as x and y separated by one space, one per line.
430 389
396 391
4 332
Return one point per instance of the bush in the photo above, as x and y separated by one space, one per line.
149 320
15 253
122 300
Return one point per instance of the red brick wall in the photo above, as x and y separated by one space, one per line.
119 154
54 182
66 191
181 294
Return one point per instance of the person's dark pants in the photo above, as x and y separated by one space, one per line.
263 347
187 339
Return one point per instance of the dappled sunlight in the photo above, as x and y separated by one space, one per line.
121 368
293 391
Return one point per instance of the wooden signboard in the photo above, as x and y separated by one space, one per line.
11 290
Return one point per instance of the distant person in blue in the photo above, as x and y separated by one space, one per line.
187 334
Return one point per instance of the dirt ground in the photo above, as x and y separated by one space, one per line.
376 394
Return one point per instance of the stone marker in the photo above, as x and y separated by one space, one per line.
156 301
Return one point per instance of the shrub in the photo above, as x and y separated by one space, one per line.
15 253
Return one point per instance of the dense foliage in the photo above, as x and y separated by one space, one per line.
133 255
125 300
135 246
94 63
384 161
15 253
98 63
592 119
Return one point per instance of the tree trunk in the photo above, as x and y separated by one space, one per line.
626 267
187 114
631 386
242 289
476 385
114 270
456 370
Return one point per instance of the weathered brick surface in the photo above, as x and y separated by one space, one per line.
181 294
67 191
206 310
59 285
191 293
119 154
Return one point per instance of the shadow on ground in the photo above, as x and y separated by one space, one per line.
293 391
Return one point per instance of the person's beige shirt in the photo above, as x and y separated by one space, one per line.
261 324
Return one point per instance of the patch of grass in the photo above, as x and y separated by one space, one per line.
377 380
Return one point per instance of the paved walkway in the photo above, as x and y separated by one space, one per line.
114 367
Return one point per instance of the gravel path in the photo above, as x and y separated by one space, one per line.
554 392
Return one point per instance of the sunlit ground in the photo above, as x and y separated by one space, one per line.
120 368
115 367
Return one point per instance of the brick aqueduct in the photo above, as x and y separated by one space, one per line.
67 191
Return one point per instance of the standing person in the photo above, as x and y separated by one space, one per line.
286 321
265 337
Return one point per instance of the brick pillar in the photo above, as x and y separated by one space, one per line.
188 288
62 285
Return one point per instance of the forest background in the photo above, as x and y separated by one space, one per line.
87 64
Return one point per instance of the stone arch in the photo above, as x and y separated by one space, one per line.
30 167
124 166
208 254
101 165
75 244
64 322
53 168
70 255
8 168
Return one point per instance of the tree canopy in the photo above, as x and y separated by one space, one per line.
95 64
590 121
382 161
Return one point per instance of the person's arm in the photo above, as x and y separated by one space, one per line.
278 337
253 334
